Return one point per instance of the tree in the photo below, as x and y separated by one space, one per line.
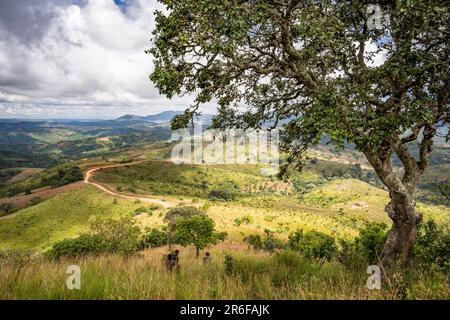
197 230
310 66
174 214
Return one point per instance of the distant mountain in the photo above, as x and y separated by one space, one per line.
164 116
130 117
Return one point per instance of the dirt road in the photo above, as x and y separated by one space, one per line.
88 180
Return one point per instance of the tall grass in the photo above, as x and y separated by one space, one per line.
255 275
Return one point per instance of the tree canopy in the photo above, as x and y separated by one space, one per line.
376 78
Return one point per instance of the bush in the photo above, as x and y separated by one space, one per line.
268 242
371 239
255 241
366 248
229 265
432 246
243 220
64 175
6 207
106 236
222 194
154 238
35 200
82 245
313 244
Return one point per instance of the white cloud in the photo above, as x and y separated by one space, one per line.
90 56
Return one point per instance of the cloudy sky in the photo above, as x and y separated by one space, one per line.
78 59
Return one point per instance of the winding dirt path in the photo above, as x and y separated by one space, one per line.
88 180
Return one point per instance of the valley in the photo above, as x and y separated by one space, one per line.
336 195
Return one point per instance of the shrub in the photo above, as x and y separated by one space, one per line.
153 207
243 220
229 265
6 207
35 200
432 245
82 245
366 248
268 242
313 244
63 176
371 239
105 236
352 254
255 241
222 194
154 238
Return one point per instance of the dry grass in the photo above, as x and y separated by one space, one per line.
256 275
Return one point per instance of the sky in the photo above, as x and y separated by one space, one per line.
81 59
78 59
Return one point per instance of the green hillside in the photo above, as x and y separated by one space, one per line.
339 207
61 217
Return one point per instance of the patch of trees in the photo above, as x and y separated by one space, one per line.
63 176
186 226
433 245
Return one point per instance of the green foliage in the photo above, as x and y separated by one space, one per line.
365 248
82 245
268 242
432 245
35 200
6 208
229 264
444 188
105 236
372 239
7 174
247 219
255 241
217 194
181 212
63 176
145 209
197 230
313 244
154 238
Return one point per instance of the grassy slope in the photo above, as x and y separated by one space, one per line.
327 208
63 216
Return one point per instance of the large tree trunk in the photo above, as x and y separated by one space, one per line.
397 251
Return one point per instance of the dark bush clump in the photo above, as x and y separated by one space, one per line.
268 242
222 194
107 236
313 244
432 246
154 238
